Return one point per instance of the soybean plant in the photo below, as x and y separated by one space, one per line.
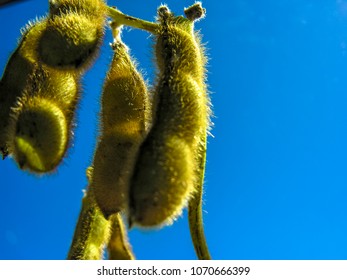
149 160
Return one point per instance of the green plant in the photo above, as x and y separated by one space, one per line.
150 157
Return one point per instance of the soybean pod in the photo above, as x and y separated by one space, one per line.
15 77
125 117
74 33
167 170
42 119
37 106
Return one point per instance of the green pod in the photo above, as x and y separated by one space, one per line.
41 121
16 76
40 136
124 121
166 171
74 34
37 106
17 70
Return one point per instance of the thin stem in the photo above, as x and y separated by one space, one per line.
123 19
195 211
91 232
118 245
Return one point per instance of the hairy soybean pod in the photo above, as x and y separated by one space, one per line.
124 121
166 171
73 34
37 106
15 79
41 121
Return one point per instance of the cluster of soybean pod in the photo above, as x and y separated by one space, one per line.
150 157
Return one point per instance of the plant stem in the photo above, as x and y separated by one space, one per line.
123 19
195 211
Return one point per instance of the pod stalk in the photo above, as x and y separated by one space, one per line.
195 211
123 19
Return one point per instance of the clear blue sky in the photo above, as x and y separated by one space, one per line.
276 178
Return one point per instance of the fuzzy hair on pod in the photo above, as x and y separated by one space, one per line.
15 79
74 33
165 173
40 137
41 121
124 121
37 106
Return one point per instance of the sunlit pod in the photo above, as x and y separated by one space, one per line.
167 166
124 121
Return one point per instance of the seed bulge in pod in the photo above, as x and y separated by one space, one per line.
40 136
20 66
39 130
70 41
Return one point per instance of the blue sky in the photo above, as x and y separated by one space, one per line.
276 177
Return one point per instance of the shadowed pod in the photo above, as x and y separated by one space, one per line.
14 80
74 33
38 99
37 104
124 122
